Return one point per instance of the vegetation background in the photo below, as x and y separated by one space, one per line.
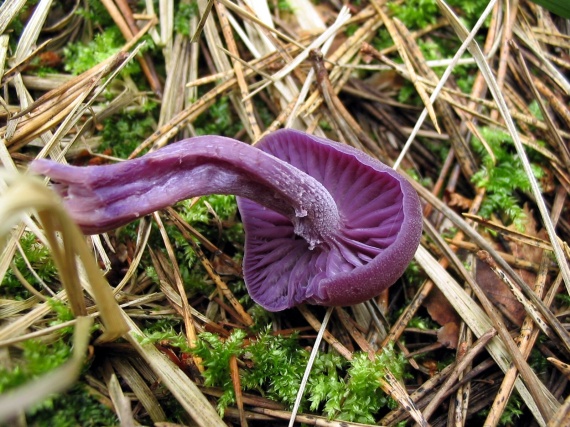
151 324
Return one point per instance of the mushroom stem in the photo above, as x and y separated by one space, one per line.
101 198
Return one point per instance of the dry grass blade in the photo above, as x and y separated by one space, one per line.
511 234
342 18
314 351
237 390
140 388
553 322
56 105
330 338
32 30
513 260
394 389
348 127
26 193
459 367
564 368
8 10
397 37
252 126
552 129
36 334
530 309
9 75
562 417
468 39
504 110
463 152
312 420
389 383
183 389
190 330
122 16
121 403
242 316
205 14
174 282
478 323
541 396
527 338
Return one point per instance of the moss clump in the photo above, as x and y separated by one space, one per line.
274 365
502 177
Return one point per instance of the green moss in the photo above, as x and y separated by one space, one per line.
124 132
351 29
63 314
502 179
418 14
278 364
538 362
535 110
511 413
166 331
80 57
184 12
95 13
37 358
39 258
415 13
423 323
351 390
274 366
216 355
224 206
219 119
75 407
202 219
71 409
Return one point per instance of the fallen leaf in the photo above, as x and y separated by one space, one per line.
441 311
439 308
497 291
448 335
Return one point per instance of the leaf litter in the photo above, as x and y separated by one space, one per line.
479 317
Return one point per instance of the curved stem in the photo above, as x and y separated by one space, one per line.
101 198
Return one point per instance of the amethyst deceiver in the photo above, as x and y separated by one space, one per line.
325 224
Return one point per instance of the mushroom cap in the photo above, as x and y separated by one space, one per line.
380 230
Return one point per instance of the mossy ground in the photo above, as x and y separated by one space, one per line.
254 367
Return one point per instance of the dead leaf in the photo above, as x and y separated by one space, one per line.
448 335
497 291
456 200
499 294
439 308
441 311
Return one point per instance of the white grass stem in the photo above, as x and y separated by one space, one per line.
504 110
312 358
341 19
443 79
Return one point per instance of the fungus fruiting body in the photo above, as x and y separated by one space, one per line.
325 223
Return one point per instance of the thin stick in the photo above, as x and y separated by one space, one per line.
446 74
202 22
459 367
310 366
500 100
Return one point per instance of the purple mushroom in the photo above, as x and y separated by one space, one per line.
325 224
